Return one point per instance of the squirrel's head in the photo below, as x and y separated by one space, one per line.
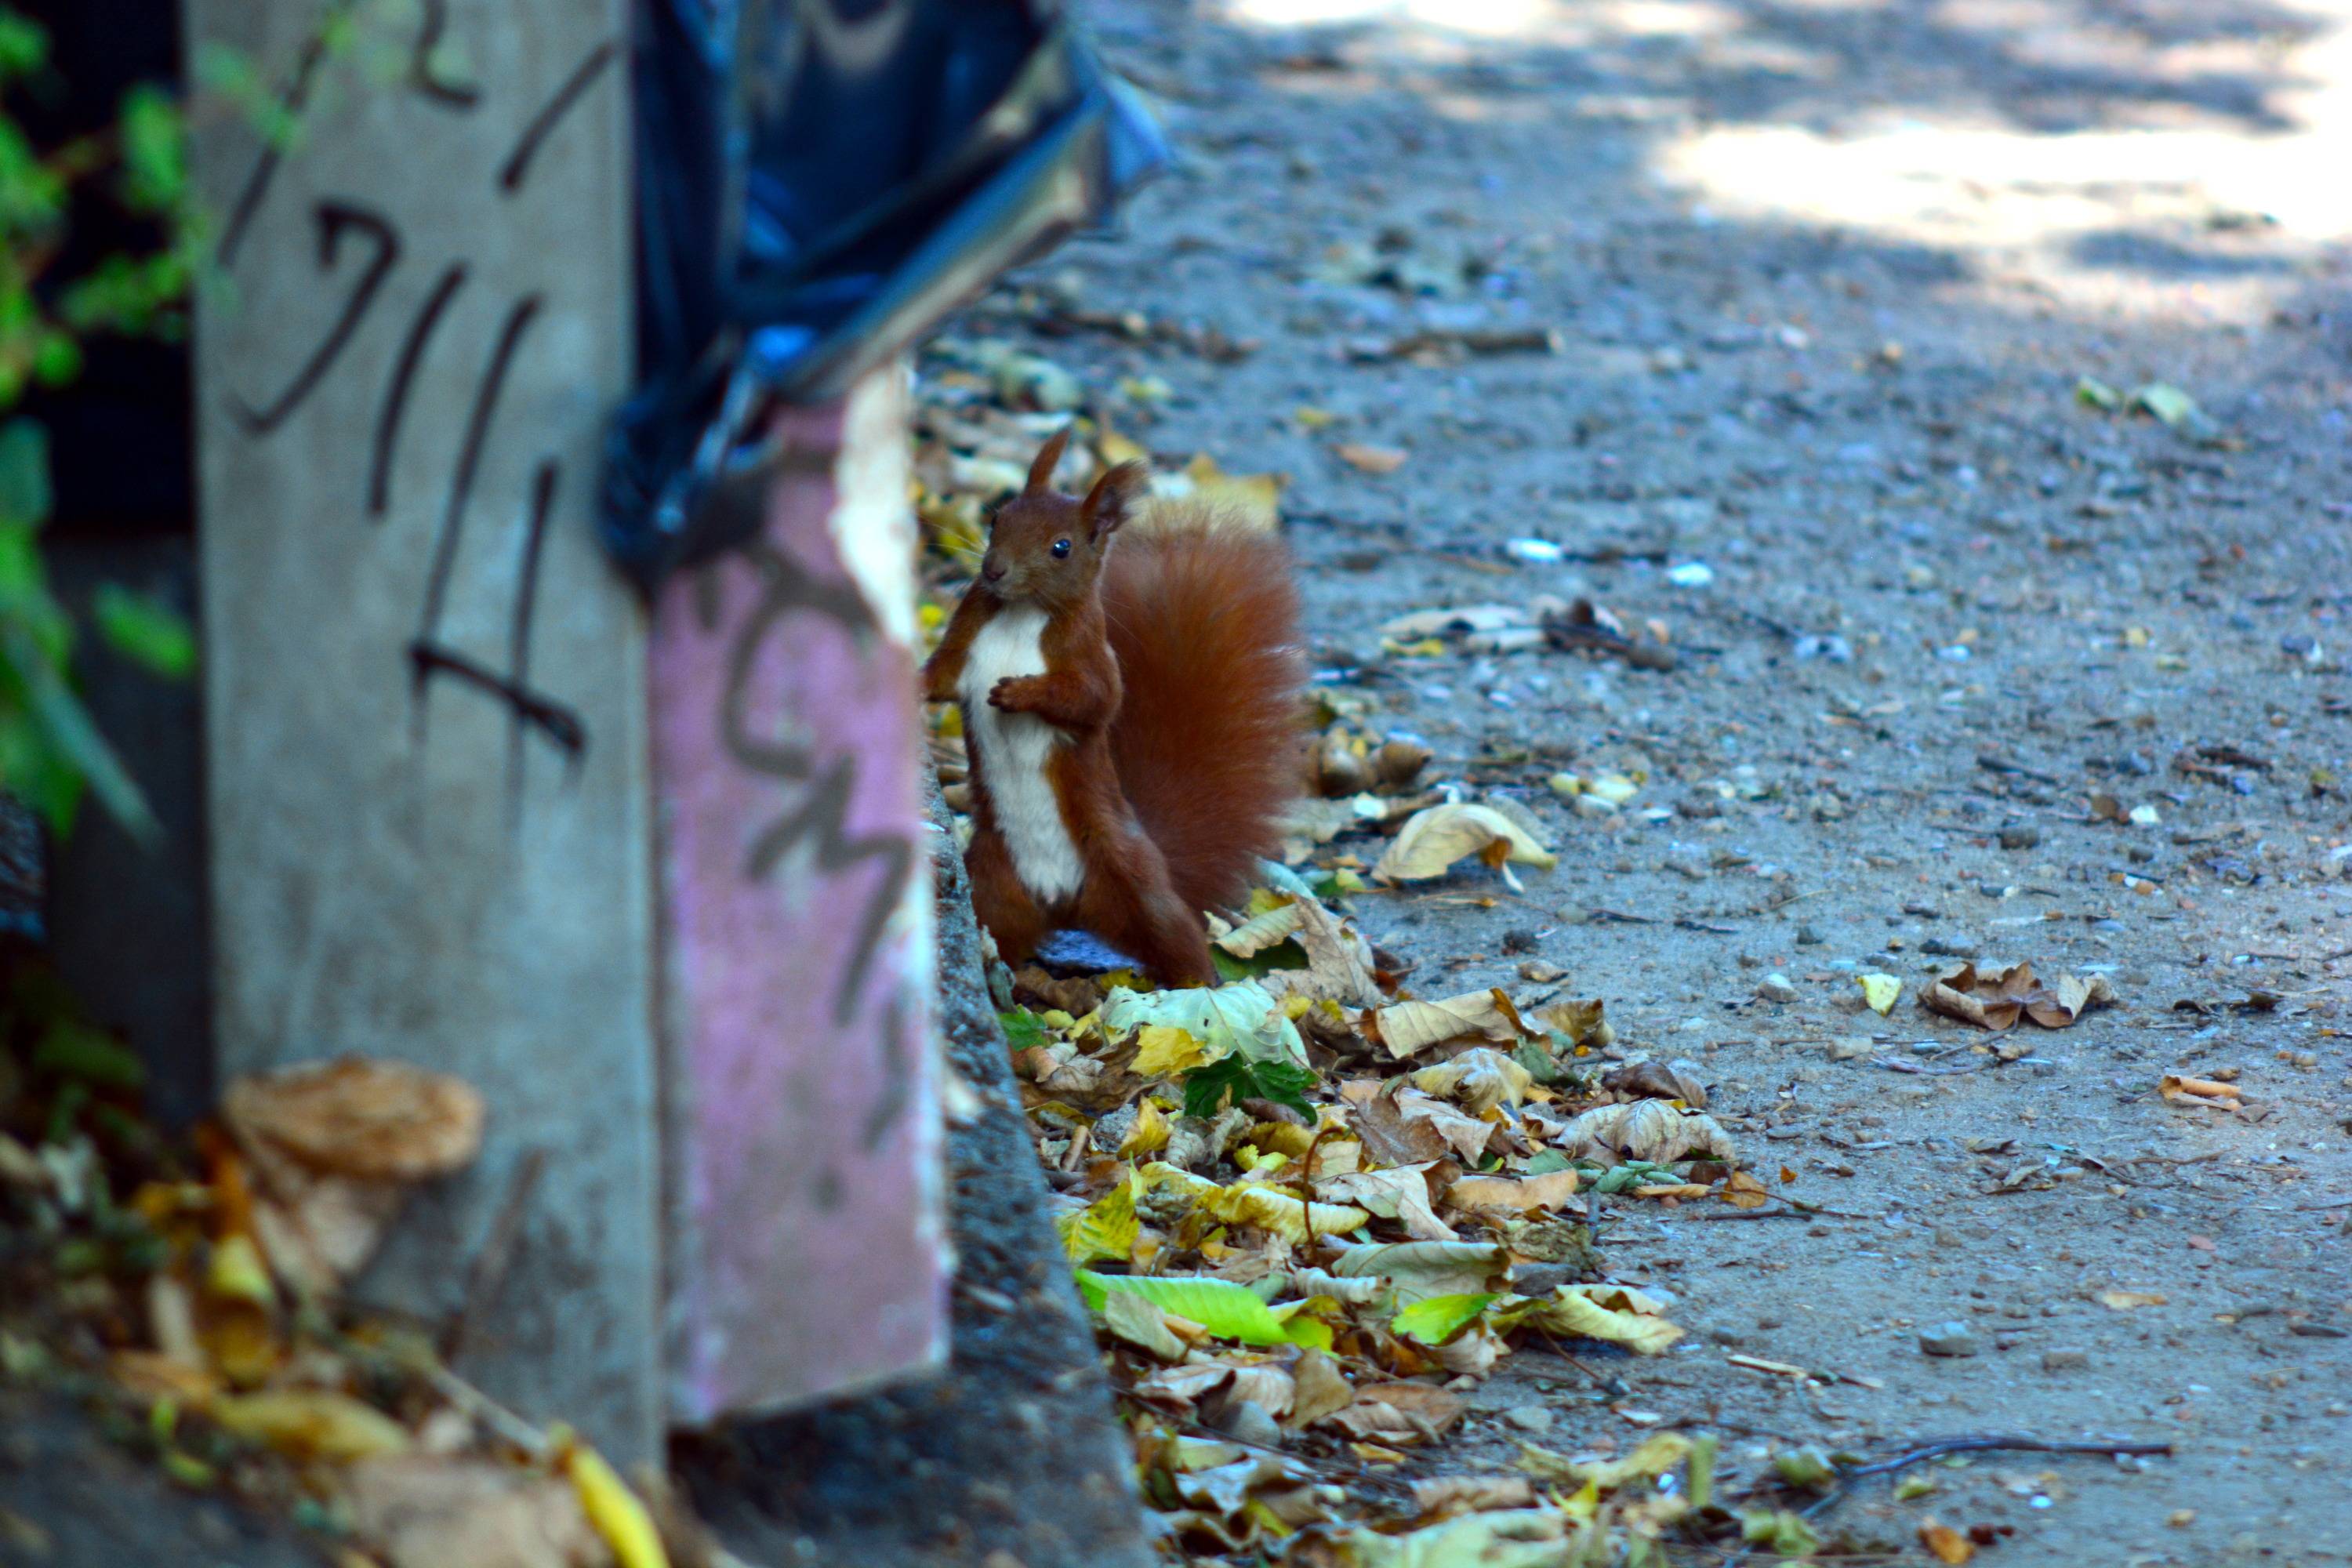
1046 548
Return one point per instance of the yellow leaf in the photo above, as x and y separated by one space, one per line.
1434 839
1150 1133
1106 1228
1268 1208
1618 1316
1879 991
1163 1051
1260 931
1244 500
238 1274
311 1423
1948 1545
1113 448
1311 418
615 1511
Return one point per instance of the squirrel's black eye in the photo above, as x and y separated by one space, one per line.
1061 548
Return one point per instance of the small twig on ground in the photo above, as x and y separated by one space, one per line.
1604 1381
1894 1065
1972 1444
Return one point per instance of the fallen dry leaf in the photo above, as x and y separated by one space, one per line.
2200 1091
1647 1080
1338 962
1409 1027
1471 1494
1421 1269
1318 1389
1275 927
1518 1195
1425 1407
1996 1002
1479 1080
615 1511
1142 1324
1432 839
1400 1193
1405 1117
1948 1545
311 1423
360 1117
2125 1301
1370 459
1250 1202
1582 1023
1615 1314
423 1512
1649 1129
1879 991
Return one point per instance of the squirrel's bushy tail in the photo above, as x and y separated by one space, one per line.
1203 618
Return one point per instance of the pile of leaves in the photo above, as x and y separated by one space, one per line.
188 1292
1309 1207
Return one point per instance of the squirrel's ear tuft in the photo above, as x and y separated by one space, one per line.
1107 504
1049 457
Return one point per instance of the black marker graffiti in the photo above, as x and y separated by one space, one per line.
821 817
429 656
570 736
423 69
334 219
403 372
517 167
291 100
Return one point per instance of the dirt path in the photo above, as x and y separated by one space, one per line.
1825 277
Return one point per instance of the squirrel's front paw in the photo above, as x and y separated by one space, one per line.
1005 694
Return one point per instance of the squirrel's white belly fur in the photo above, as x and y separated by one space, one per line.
1013 748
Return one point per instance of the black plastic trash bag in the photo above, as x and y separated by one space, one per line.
819 181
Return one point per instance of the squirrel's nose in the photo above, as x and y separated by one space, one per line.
993 570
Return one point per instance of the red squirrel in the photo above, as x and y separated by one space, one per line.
1133 716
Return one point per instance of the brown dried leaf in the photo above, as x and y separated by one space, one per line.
1319 1389
1997 1001
1404 1029
360 1117
1400 1193
1647 1080
1481 1078
1424 1407
1583 1022
1387 1135
1948 1545
311 1424
1370 459
1338 962
1649 1129
2201 1092
426 1513
1517 1195
1466 1135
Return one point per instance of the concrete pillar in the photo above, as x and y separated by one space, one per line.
432 757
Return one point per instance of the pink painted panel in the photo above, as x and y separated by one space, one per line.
805 1255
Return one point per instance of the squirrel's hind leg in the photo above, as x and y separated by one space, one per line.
1002 905
1133 906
